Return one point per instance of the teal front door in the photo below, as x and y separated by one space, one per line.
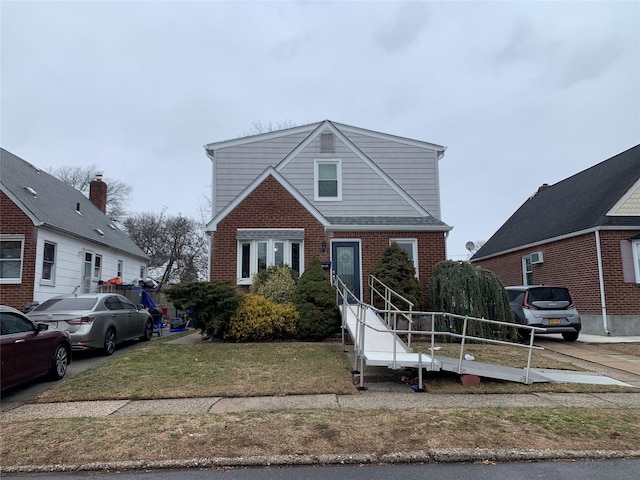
345 263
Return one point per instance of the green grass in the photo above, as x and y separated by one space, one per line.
163 370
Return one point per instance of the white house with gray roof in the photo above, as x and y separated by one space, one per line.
326 190
54 240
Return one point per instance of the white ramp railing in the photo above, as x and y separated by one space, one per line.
377 342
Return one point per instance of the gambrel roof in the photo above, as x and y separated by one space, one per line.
605 196
388 181
51 203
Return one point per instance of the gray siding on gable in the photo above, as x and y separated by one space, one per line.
364 192
414 169
236 167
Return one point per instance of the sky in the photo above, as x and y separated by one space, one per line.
520 93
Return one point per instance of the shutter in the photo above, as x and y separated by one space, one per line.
628 268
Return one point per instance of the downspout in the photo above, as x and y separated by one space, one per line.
603 301
211 155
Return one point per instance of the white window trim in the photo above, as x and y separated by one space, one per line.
9 238
325 161
97 266
414 242
52 280
253 256
524 268
635 247
120 269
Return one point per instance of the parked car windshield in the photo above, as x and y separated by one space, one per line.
66 304
549 294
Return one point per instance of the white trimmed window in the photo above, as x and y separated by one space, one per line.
409 245
11 253
255 255
327 180
635 245
120 269
527 270
49 262
97 267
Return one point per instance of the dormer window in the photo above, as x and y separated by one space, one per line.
328 180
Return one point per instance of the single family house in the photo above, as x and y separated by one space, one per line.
54 240
582 233
327 190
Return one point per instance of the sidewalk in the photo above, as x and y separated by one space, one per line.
370 399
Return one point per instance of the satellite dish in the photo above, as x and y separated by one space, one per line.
470 246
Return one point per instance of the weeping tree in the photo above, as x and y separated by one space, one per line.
461 288
397 272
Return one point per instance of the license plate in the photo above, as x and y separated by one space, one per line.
554 321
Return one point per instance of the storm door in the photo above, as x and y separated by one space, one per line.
345 261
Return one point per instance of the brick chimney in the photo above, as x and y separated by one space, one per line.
98 193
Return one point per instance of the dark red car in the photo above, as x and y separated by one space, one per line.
29 350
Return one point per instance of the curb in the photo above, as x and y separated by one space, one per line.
433 456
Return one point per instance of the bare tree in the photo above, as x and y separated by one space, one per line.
118 193
259 127
176 245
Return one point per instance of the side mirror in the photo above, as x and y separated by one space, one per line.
42 327
140 306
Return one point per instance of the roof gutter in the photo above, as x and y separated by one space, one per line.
554 239
603 301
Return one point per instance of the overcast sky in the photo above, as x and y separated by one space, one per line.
521 93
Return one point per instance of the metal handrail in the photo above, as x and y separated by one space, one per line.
359 309
390 306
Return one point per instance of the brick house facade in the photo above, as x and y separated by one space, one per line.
266 199
592 246
54 240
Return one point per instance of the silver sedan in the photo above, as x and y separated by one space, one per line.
96 320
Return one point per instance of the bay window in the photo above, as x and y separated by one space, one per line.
260 249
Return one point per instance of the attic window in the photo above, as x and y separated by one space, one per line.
99 232
31 191
327 143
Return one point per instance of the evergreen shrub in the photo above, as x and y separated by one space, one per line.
315 300
275 283
211 304
259 319
397 272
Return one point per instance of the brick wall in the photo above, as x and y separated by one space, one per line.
573 262
14 222
270 205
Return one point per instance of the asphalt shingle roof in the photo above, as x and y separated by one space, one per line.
389 221
575 204
54 205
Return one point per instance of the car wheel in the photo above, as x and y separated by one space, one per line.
148 331
59 362
570 336
110 342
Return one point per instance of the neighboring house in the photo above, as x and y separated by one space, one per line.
582 233
54 240
325 190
